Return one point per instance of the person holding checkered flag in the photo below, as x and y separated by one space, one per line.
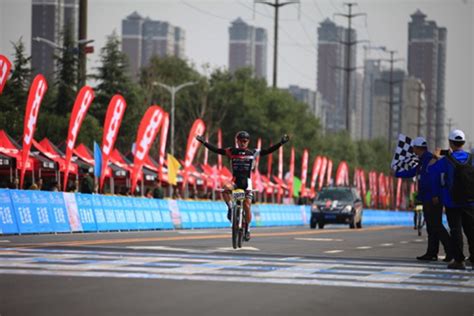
433 213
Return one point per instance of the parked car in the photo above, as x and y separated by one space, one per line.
337 205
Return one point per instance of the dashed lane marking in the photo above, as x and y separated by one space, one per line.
386 245
320 239
364 247
333 251
236 267
195 237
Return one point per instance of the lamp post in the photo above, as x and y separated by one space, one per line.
173 90
57 46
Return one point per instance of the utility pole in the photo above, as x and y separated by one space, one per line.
276 5
391 103
82 37
348 68
420 90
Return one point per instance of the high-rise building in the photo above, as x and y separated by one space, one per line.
332 54
313 99
413 121
143 38
371 73
382 89
248 48
427 61
357 111
49 20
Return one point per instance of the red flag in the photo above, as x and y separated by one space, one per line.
292 172
35 96
5 66
329 173
113 120
163 137
342 174
314 173
198 128
79 111
399 193
362 182
259 146
304 172
206 151
269 164
280 162
219 145
322 173
147 131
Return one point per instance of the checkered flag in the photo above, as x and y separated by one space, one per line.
404 158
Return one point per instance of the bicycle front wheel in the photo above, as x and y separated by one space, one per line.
235 227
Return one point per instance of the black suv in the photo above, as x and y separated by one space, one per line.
337 205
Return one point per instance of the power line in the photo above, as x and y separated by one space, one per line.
348 68
205 12
276 5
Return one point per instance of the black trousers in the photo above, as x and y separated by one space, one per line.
436 231
461 219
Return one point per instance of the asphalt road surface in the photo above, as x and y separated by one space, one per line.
281 271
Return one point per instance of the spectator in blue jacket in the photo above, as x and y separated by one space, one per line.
433 213
460 215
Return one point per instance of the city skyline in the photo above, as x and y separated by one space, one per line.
297 49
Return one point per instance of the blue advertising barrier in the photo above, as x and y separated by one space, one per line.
39 211
23 211
7 215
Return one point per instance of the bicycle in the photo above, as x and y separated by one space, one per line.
238 217
419 219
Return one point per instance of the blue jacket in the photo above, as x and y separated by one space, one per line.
442 173
424 185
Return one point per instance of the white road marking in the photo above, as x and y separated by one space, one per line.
5 241
320 239
383 274
198 231
364 247
386 245
419 240
239 249
165 248
333 251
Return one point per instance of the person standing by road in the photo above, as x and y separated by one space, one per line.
433 213
453 186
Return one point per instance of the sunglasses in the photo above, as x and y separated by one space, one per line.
243 139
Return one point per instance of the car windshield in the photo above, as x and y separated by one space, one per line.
335 195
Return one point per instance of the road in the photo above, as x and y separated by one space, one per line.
281 271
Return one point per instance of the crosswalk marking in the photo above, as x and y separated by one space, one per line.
236 267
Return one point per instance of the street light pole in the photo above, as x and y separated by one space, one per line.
173 90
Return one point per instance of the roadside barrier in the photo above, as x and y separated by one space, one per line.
27 212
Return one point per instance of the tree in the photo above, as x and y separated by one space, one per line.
66 77
113 78
14 97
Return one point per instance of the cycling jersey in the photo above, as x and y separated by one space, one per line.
242 161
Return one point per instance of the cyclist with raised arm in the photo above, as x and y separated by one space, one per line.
242 162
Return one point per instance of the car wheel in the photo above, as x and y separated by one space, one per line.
312 222
352 224
320 225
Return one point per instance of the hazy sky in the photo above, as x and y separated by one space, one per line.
206 24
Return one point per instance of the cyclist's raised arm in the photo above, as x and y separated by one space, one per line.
284 139
220 151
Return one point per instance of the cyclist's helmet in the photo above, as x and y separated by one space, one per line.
242 135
